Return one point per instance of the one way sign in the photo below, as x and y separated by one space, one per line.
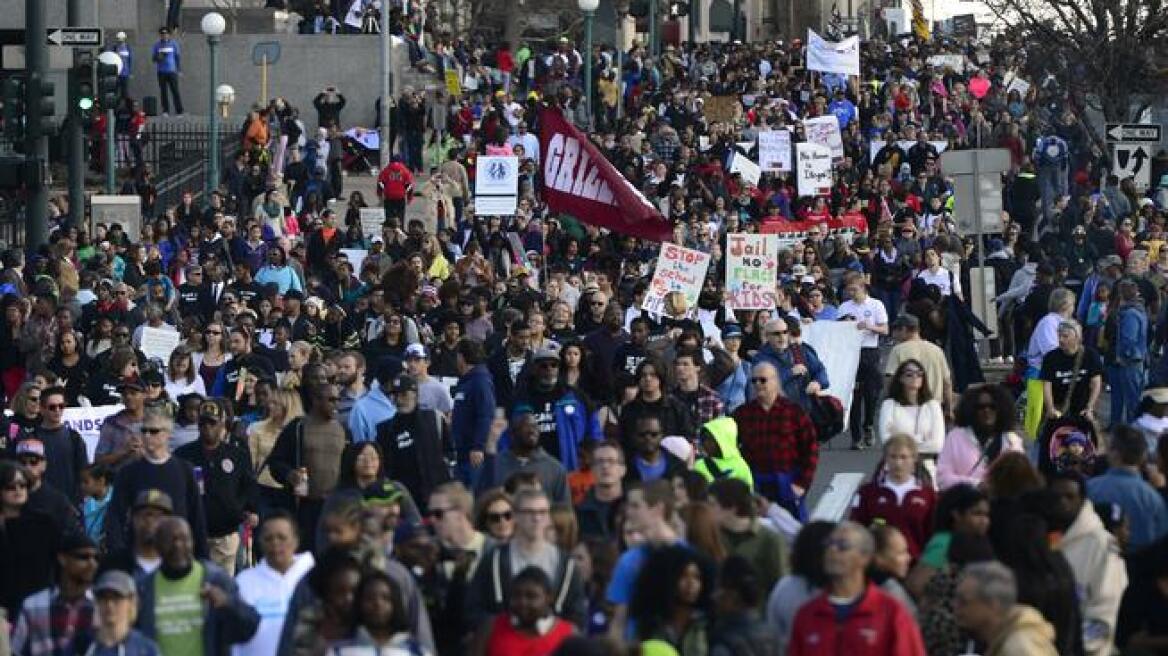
1133 161
1133 132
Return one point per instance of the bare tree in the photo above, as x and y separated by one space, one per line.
1109 55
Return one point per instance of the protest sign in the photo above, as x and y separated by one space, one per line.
790 232
1018 84
496 185
371 220
679 269
841 57
751 270
745 166
722 109
87 421
356 257
825 131
774 150
158 343
452 85
813 166
955 62
838 345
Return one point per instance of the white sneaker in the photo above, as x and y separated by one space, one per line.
1009 359
997 360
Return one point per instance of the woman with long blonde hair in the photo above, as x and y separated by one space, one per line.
284 405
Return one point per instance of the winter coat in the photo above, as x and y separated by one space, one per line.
913 516
233 623
730 464
1024 633
1100 577
878 625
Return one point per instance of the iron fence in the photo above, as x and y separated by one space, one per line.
176 154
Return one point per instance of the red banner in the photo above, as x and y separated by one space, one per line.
578 180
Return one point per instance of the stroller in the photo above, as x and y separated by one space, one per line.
1069 444
361 150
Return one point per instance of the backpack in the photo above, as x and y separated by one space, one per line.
827 413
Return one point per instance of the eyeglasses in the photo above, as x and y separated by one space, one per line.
154 430
121 334
55 406
497 517
776 333
437 513
759 381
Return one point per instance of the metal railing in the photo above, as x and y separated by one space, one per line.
176 153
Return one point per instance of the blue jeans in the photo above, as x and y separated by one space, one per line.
1052 184
1127 381
890 298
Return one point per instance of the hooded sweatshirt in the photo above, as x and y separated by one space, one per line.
730 464
1100 577
1023 633
269 592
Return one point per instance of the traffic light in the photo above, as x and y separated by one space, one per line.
107 85
45 110
82 78
13 95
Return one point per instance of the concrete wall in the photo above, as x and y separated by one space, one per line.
307 64
112 14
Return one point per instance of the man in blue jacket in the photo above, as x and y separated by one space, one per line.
168 64
801 373
561 414
474 409
1127 354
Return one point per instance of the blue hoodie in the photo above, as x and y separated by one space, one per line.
474 410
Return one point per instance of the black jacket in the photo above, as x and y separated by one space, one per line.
673 467
489 590
229 484
28 547
505 388
429 435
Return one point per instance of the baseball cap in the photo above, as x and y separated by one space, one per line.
154 498
731 331
30 447
546 354
1111 261
416 351
382 492
403 383
115 582
210 410
294 294
74 540
377 239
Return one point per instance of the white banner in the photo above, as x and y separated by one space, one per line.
496 185
825 131
838 346
679 269
956 62
158 343
774 150
87 421
813 169
356 257
831 57
745 166
751 271
875 146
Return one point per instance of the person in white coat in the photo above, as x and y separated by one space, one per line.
909 408
269 585
1093 553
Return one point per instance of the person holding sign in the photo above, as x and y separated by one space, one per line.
872 322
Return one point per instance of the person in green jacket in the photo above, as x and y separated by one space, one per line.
719 440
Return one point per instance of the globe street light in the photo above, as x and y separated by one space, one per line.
589 9
213 25
110 58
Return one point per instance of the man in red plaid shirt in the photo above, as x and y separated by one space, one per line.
778 440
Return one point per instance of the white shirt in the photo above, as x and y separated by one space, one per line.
530 145
176 388
871 312
943 280
269 592
1044 339
925 423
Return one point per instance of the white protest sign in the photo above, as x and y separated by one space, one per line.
371 220
496 185
356 257
158 343
1019 85
751 270
955 62
838 346
832 57
875 146
87 422
825 131
746 167
679 269
774 150
813 169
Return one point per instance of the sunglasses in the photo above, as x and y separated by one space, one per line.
504 516
776 333
31 460
55 406
759 381
153 430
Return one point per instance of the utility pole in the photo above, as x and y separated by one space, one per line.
386 90
38 90
74 130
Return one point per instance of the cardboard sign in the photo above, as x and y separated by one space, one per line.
126 211
774 150
453 87
825 131
496 185
813 168
159 343
751 270
838 346
722 109
679 269
372 219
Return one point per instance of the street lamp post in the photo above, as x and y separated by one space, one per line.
589 9
213 25
110 58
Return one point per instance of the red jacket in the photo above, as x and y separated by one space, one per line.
913 516
395 182
878 626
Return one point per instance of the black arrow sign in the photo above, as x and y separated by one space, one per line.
1139 156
